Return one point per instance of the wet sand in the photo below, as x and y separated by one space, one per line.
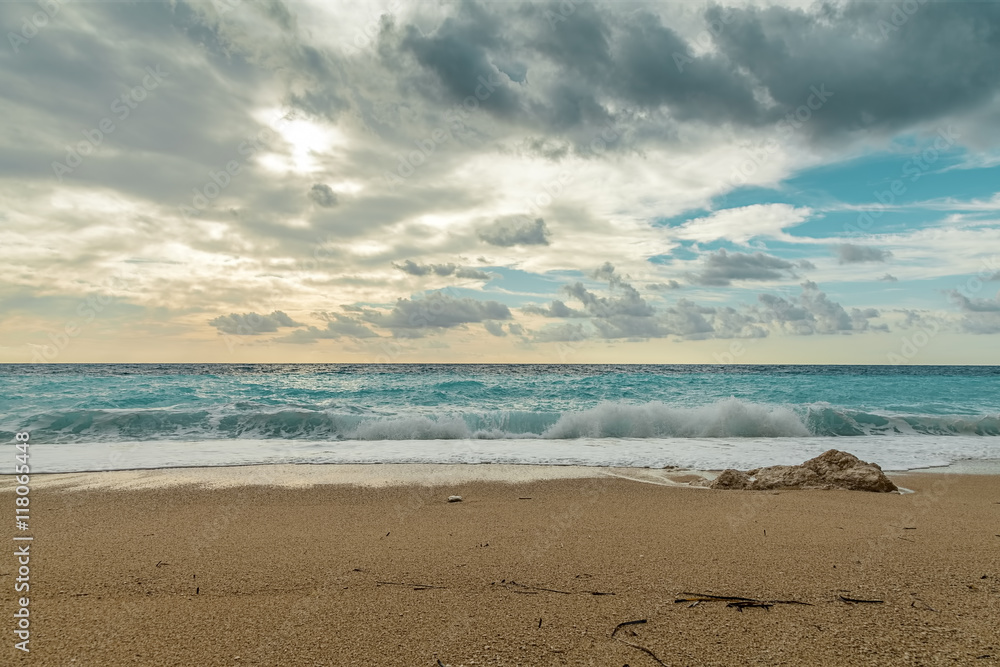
530 572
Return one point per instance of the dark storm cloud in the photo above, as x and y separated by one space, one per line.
515 230
722 268
252 324
768 62
650 74
561 76
579 65
886 68
848 253
462 53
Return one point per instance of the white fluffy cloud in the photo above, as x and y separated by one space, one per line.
739 225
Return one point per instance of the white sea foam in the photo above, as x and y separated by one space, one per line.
892 453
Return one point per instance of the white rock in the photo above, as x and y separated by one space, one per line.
454 499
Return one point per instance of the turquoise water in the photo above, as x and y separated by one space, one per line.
950 412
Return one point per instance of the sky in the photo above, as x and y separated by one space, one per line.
406 181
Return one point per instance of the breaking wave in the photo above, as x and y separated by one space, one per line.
731 417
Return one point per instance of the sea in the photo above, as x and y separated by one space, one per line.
90 417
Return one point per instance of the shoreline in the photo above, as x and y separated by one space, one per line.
305 475
716 453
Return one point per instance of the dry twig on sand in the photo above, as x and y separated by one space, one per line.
516 587
737 603
645 650
416 587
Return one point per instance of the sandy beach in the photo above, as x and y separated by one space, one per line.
533 571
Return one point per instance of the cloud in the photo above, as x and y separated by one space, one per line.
341 325
323 195
494 328
813 312
624 315
436 311
739 225
252 324
628 304
981 323
848 253
660 287
981 316
561 333
555 309
339 328
515 230
415 269
889 278
471 274
974 305
923 62
460 52
722 268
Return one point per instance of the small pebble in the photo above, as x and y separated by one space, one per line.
454 499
